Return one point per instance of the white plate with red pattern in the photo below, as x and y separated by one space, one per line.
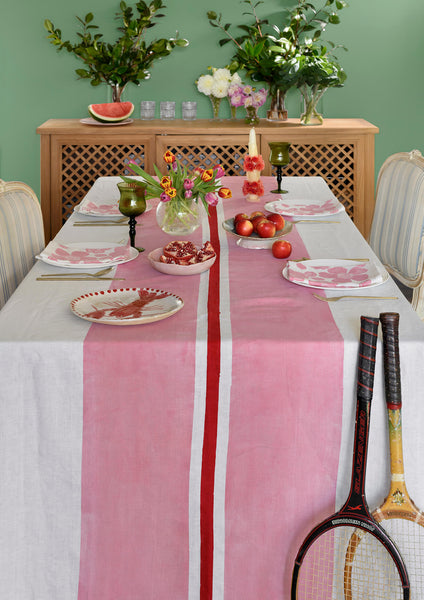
130 306
305 208
87 254
335 274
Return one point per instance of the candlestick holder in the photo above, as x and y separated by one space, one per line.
279 157
132 202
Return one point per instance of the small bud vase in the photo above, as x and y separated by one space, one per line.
216 103
251 116
178 216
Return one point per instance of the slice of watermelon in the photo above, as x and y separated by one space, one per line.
111 112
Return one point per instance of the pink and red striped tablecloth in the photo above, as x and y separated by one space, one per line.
211 439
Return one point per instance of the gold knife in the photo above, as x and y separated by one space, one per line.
80 279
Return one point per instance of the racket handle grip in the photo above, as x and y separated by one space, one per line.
392 384
366 357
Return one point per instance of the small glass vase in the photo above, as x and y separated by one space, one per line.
233 110
277 111
251 115
216 103
116 92
179 216
311 98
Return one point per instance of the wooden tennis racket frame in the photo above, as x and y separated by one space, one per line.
73 155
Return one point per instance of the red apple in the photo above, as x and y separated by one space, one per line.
244 227
256 220
281 249
257 213
277 219
266 229
239 217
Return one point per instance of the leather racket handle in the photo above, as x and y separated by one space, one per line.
366 357
390 327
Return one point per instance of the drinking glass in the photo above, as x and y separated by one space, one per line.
132 202
147 109
167 110
189 110
279 157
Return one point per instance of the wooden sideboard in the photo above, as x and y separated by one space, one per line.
74 154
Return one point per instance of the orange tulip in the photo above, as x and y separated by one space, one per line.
172 192
168 157
165 182
207 175
224 193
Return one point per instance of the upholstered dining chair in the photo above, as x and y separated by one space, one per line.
397 230
21 234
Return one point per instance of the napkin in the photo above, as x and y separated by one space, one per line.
78 254
306 207
334 273
100 209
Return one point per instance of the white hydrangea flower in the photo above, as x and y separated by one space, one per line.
236 79
220 89
205 84
222 75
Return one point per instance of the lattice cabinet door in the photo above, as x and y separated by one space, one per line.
204 151
79 164
337 162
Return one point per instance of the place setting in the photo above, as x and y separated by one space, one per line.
335 275
85 255
102 202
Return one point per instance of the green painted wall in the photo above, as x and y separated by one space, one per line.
384 64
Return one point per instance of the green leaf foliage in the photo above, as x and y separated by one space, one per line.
289 53
130 58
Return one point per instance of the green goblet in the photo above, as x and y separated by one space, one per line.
132 202
279 157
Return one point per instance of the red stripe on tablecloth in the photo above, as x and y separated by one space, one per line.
211 421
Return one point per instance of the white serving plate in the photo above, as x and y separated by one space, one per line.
130 306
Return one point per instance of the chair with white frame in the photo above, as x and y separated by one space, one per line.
21 234
397 230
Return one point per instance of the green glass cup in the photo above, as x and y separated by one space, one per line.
132 203
279 157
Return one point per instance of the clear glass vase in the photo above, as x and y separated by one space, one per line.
179 216
311 97
216 103
277 111
251 115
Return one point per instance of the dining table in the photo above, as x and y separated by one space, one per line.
186 456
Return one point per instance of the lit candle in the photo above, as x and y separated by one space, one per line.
253 149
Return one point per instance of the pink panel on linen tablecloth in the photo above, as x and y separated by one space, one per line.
282 463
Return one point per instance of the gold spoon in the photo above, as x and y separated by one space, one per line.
70 274
335 298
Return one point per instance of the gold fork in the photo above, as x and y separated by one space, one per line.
335 298
70 274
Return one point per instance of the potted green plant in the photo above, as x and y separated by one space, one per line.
127 60
272 53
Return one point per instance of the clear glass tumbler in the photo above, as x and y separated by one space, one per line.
189 110
167 110
147 109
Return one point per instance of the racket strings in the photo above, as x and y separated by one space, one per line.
409 538
335 569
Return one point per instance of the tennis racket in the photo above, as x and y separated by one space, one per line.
402 520
377 571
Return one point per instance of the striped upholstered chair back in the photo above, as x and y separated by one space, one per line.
397 231
21 234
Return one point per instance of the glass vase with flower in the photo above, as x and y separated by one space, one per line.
179 192
250 98
216 86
